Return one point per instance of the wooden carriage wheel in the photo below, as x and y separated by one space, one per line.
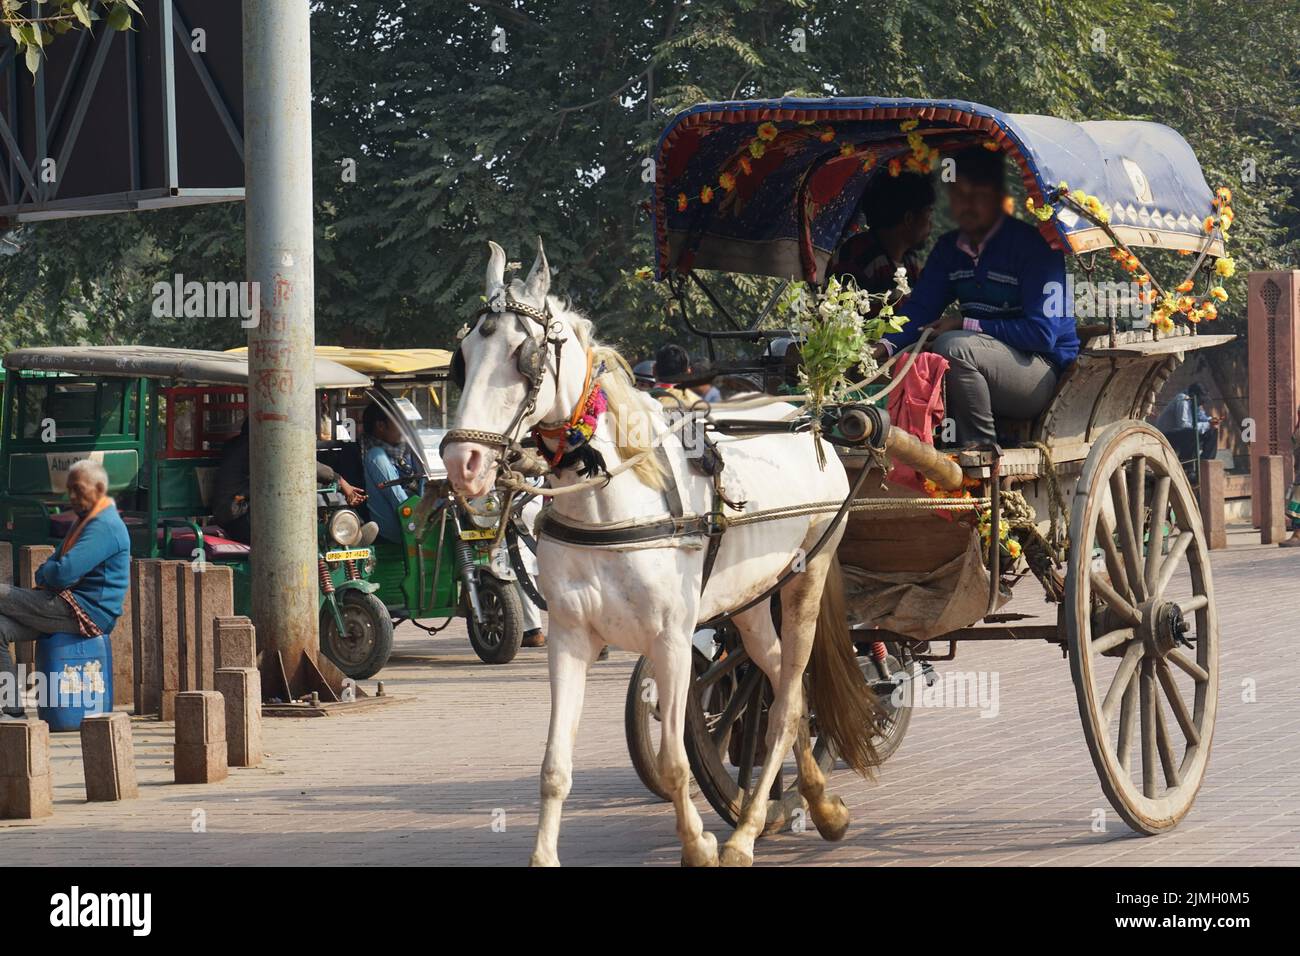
1142 626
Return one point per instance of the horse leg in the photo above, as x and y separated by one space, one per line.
799 603
828 812
672 663
569 654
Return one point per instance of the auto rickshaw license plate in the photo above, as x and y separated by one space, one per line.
355 554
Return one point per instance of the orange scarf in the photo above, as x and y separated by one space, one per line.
75 533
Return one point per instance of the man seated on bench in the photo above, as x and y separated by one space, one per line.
1006 349
81 587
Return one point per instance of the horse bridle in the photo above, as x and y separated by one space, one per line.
531 363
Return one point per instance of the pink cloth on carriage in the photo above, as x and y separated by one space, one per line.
916 406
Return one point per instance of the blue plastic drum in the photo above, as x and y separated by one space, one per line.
78 676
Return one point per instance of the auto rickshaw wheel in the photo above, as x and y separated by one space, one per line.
364 647
497 641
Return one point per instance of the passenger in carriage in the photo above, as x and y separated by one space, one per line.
898 215
1005 347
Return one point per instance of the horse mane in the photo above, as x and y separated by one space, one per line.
632 414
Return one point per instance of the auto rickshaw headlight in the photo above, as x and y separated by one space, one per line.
485 510
345 527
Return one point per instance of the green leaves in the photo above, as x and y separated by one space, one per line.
56 17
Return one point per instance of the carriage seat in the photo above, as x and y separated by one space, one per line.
216 546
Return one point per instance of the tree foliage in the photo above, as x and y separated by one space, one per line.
505 120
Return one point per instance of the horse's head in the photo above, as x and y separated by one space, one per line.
513 371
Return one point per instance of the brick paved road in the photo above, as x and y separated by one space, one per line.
423 780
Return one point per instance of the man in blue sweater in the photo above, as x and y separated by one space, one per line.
80 589
1006 348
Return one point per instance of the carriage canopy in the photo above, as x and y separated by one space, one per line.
770 187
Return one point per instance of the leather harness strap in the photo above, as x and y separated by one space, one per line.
663 529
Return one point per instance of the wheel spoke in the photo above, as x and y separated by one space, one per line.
1170 563
1167 762
1176 703
1127 539
749 739
736 706
1197 603
1156 534
1188 666
1114 601
1127 713
1119 684
722 667
1112 639
1137 495
1114 563
1149 731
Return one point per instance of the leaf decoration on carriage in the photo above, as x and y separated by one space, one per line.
771 187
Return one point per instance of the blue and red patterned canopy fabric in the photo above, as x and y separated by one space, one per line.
771 187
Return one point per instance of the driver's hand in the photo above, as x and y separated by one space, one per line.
351 493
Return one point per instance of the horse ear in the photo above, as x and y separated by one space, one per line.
538 283
496 269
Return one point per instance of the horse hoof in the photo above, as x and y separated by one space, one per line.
734 856
705 853
831 818
538 860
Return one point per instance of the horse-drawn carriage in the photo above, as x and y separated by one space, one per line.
1102 513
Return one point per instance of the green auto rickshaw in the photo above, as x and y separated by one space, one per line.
452 561
157 420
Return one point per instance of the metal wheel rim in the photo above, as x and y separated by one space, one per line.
492 631
357 642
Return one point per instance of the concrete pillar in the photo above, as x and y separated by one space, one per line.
281 395
108 758
236 642
26 792
200 737
146 636
1272 498
1209 495
242 689
214 597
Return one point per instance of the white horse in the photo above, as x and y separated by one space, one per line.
647 599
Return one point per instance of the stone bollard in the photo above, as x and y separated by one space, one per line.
26 791
214 597
108 758
236 642
171 617
200 737
146 636
1209 498
1272 499
242 689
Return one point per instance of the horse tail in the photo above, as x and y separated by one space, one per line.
844 706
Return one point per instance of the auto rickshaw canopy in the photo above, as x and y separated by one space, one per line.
180 366
769 187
